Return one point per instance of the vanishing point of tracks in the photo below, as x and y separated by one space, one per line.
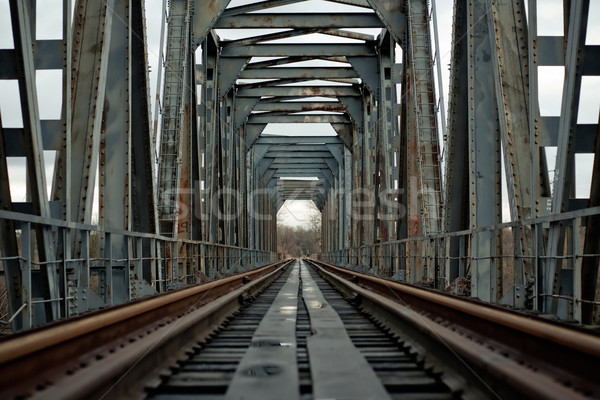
302 330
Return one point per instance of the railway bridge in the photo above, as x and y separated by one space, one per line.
139 198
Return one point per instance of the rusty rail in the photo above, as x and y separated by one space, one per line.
509 352
110 351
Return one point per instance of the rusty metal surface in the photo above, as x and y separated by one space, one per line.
85 356
537 357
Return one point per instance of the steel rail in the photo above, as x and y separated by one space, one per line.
95 354
536 357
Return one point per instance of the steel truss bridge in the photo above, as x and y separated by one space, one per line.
190 192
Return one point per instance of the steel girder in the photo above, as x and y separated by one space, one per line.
304 50
392 14
116 136
501 30
473 172
508 30
126 154
295 21
27 142
576 56
207 154
456 205
484 154
321 73
208 113
419 178
103 133
172 136
215 162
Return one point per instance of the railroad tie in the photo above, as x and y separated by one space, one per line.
338 369
269 367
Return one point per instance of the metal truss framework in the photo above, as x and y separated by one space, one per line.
198 196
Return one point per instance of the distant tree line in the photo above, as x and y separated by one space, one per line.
297 241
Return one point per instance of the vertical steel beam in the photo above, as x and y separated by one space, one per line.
197 168
538 126
456 204
357 179
108 271
143 202
387 134
589 264
61 185
114 174
421 175
339 195
424 113
251 199
228 172
26 288
508 30
8 245
367 192
33 149
126 185
404 166
244 175
115 146
176 81
91 47
143 156
210 122
574 63
187 150
348 185
92 27
484 153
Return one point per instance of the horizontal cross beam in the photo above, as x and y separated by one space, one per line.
299 73
299 106
277 139
304 20
299 172
299 166
299 50
314 155
297 119
309 174
300 91
298 159
298 148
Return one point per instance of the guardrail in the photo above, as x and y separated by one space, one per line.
94 267
506 263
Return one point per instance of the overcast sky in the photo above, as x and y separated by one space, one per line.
49 26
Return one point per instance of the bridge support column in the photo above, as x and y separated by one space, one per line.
484 156
576 57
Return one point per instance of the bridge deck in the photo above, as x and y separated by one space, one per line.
301 339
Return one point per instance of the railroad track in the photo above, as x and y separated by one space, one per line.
212 370
112 353
311 331
505 353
